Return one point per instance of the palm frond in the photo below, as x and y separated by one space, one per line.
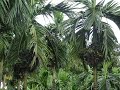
115 18
111 11
18 11
49 8
87 3
4 6
109 40
111 7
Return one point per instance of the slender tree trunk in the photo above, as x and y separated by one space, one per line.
25 82
95 77
95 34
54 87
1 71
4 82
19 83
95 41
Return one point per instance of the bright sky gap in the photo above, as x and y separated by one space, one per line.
47 20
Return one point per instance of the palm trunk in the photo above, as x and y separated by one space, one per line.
95 34
18 87
4 82
95 41
54 87
25 82
1 71
95 77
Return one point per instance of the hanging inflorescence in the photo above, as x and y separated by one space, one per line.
24 66
92 55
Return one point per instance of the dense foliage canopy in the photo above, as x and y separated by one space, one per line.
80 53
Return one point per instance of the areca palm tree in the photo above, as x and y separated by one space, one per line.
20 15
90 28
56 47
